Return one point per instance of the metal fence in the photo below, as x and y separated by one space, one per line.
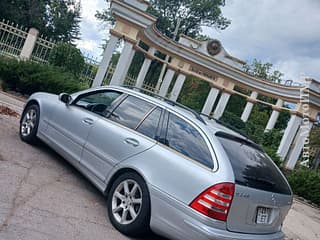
42 49
12 40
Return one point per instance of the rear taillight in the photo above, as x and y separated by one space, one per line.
215 202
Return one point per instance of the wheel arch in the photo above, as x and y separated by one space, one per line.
29 103
118 173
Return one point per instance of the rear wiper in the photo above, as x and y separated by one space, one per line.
258 179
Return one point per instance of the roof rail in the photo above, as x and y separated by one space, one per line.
173 103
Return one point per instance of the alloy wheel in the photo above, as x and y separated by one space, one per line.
127 202
28 122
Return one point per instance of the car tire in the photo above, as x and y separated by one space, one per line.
29 124
129 205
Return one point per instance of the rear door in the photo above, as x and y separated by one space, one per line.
262 196
116 137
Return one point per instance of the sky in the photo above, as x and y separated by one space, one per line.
285 33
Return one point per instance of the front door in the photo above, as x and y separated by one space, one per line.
70 125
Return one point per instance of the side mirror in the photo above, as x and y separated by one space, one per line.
64 97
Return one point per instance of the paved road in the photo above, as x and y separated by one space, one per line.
44 198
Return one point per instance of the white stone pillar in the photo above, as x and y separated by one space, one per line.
274 116
127 66
177 87
117 78
222 104
288 136
145 67
212 96
29 44
104 64
166 82
249 106
298 145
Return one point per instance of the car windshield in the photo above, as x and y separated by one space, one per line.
252 166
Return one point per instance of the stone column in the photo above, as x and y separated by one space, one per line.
212 96
29 44
107 55
177 87
117 78
222 104
127 66
288 136
249 106
145 67
166 82
298 144
274 116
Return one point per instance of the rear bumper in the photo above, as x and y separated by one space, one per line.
175 220
218 234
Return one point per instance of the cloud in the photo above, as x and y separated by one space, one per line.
299 68
92 31
285 33
89 45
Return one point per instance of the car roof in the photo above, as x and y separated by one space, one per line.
208 124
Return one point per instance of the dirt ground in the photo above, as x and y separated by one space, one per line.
43 197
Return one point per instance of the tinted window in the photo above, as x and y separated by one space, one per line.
98 102
150 125
131 112
252 167
184 138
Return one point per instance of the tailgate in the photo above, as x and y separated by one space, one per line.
262 196
257 211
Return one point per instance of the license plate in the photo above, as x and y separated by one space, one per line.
263 215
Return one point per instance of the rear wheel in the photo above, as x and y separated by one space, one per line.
129 205
29 124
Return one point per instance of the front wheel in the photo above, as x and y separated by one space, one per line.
129 205
29 124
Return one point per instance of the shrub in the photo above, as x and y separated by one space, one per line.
272 153
306 183
68 57
29 77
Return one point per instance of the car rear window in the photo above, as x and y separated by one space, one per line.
252 166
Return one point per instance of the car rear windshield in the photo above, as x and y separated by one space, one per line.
252 166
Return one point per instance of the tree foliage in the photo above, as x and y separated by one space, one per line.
56 19
68 57
193 15
263 70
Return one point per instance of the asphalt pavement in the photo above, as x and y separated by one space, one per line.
44 198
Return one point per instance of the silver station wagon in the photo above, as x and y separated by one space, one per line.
163 167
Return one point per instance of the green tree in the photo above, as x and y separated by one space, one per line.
193 15
194 93
68 57
56 19
63 20
263 70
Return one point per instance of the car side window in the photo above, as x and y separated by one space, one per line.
149 126
98 102
184 138
131 112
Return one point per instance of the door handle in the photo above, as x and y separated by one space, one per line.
132 142
88 121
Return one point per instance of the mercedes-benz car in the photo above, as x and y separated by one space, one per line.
162 166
